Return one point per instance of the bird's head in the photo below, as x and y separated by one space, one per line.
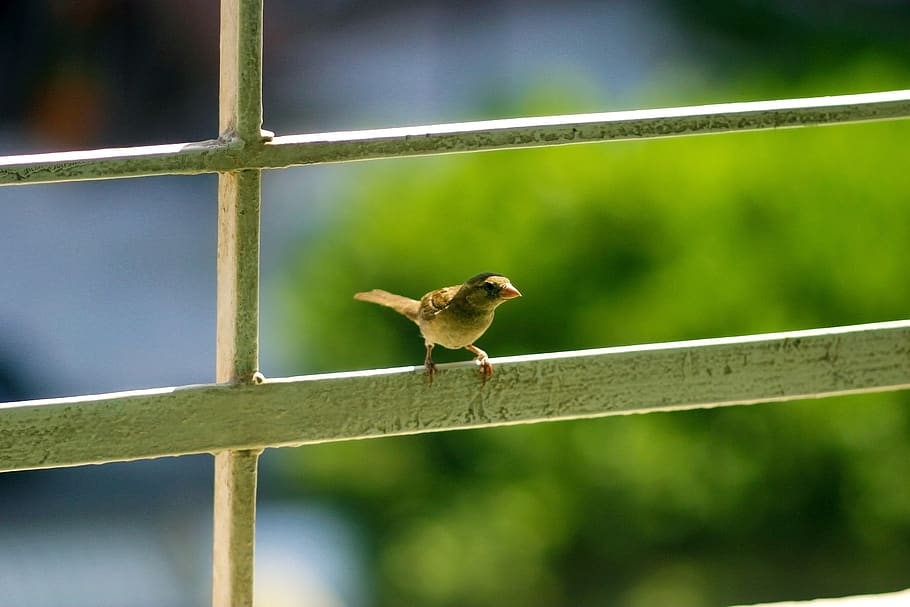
488 290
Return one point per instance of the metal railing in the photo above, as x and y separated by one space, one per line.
244 413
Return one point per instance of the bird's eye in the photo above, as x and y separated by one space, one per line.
490 288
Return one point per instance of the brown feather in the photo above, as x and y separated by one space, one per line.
435 301
403 305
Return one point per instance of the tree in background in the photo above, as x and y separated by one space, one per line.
615 244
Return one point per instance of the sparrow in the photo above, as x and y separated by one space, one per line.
452 317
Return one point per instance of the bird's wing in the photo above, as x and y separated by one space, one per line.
436 301
403 305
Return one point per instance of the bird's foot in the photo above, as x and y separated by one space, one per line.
430 368
486 368
482 361
429 365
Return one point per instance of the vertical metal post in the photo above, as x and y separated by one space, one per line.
237 338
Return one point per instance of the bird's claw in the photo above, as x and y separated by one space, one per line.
430 368
486 368
482 361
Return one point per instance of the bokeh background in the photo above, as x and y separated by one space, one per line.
110 285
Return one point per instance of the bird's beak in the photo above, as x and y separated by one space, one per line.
509 292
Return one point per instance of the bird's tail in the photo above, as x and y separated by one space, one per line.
403 305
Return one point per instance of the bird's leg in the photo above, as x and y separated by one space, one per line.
429 365
483 361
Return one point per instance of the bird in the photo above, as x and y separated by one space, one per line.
453 317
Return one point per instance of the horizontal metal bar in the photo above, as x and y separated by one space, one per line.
525 389
579 128
118 163
890 599
215 156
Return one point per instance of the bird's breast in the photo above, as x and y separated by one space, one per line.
453 330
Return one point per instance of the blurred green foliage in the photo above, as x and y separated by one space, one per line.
615 244
794 37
